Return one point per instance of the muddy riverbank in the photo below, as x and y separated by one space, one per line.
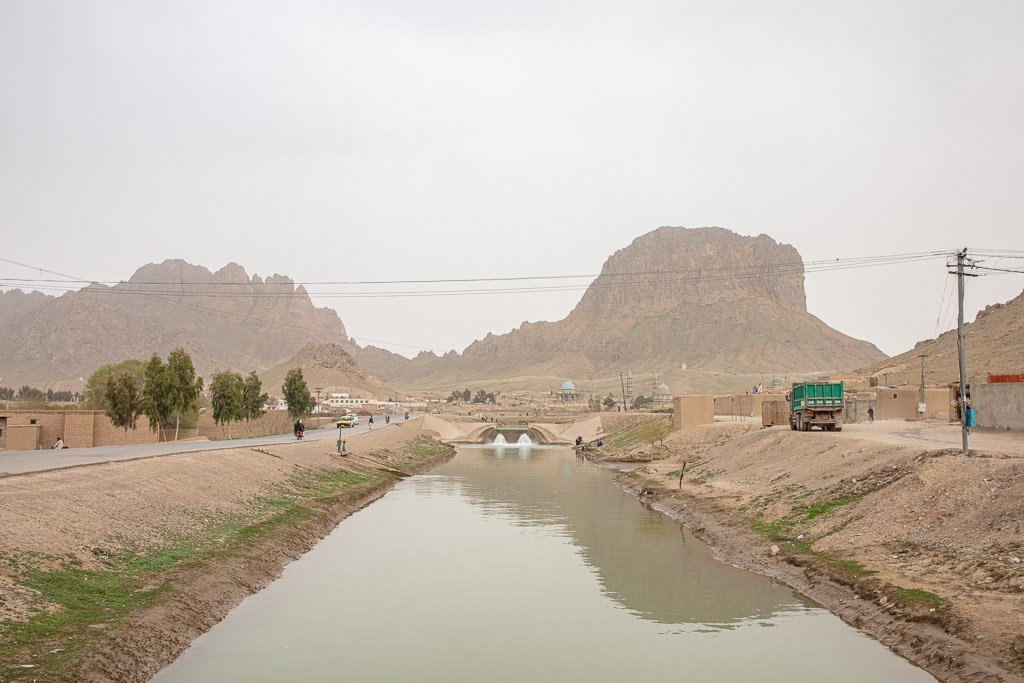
110 571
896 535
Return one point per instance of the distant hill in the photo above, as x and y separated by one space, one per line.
253 323
994 344
16 302
706 298
329 366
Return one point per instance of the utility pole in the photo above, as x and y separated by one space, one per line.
920 393
961 257
622 385
318 408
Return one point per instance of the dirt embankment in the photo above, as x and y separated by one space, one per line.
884 524
108 572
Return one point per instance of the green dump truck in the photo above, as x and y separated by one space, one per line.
816 404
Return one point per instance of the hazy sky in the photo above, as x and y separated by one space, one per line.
409 139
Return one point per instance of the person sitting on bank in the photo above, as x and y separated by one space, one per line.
60 443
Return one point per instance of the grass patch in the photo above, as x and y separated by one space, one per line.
818 509
916 596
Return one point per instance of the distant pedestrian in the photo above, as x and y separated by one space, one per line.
370 422
871 414
387 419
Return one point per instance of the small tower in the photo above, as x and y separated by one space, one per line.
654 384
629 388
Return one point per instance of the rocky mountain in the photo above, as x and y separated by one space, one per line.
329 366
15 302
225 320
706 298
994 344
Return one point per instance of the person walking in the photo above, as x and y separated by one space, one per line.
387 418
370 422
871 414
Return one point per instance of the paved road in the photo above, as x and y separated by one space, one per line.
23 462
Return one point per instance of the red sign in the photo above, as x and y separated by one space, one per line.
996 379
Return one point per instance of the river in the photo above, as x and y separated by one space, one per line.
523 564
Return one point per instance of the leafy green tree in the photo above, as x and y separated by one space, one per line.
31 394
183 387
123 398
641 402
296 393
253 399
594 404
483 397
227 398
872 381
608 402
156 394
467 395
7 393
96 385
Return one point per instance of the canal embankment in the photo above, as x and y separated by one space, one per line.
108 572
887 527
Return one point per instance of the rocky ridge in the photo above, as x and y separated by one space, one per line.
706 298
225 319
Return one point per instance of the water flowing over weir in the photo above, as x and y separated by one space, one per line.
525 568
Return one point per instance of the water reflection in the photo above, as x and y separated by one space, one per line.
523 564
644 562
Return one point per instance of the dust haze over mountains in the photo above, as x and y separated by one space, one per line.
705 299
401 140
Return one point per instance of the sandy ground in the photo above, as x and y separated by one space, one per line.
78 517
896 497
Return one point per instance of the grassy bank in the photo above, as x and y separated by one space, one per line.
75 606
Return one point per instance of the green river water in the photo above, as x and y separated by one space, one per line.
525 564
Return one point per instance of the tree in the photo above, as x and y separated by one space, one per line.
7 393
183 387
123 398
594 404
296 393
467 395
156 395
872 381
253 399
483 397
226 397
609 401
655 430
96 385
641 402
32 396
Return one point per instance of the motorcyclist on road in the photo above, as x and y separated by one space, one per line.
299 428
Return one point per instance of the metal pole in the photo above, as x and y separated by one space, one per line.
960 256
318 408
920 393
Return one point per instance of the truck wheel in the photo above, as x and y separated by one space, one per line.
807 426
839 428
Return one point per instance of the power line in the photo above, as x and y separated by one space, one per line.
653 278
808 265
